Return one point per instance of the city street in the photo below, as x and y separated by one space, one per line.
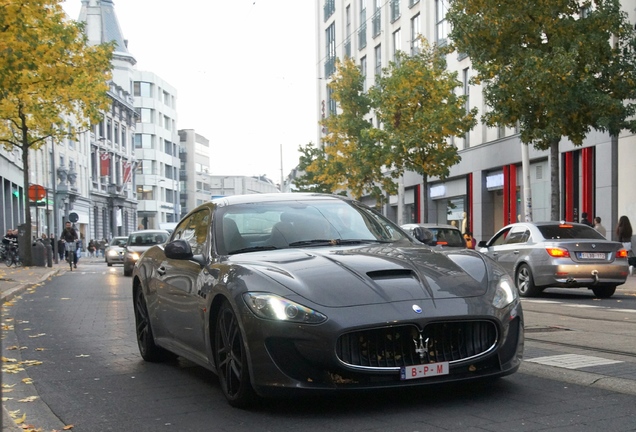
73 337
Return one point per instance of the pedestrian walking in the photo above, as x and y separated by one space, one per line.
624 234
91 248
585 220
599 227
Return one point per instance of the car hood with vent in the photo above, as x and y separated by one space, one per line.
341 277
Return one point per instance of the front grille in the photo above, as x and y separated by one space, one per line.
394 347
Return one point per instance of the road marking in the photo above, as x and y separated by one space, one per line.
572 361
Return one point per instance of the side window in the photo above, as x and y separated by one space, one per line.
517 235
500 238
194 230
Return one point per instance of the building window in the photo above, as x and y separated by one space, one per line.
123 137
142 89
330 62
441 33
329 8
143 141
466 89
378 60
348 31
413 2
397 43
109 130
395 10
376 21
331 103
362 32
415 35
145 115
363 72
116 133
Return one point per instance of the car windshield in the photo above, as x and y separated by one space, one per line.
118 241
277 225
569 231
147 239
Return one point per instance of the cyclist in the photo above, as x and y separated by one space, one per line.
69 235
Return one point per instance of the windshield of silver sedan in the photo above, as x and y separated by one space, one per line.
279 225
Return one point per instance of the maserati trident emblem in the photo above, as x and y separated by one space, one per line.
417 309
421 347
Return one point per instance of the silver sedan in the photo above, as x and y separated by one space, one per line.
541 255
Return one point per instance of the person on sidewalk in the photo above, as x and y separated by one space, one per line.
585 220
624 234
599 227
69 235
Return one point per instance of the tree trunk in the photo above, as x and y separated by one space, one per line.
27 259
555 183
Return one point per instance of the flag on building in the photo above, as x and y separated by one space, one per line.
104 166
129 168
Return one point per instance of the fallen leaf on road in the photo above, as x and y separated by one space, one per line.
40 349
27 380
4 399
37 335
20 420
68 427
82 355
28 399
8 360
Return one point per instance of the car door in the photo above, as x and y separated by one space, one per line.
183 305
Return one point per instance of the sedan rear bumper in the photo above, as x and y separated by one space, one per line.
580 275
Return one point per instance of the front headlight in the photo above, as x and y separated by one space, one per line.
505 293
133 256
273 307
112 252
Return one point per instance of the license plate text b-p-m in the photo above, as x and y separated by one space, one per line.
424 370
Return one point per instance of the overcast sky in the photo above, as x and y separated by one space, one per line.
244 71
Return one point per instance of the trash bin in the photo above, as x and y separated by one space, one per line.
38 254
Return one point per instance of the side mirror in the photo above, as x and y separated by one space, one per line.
482 244
178 249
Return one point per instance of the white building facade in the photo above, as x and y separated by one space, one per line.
157 151
487 184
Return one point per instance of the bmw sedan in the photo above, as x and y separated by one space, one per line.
558 254
318 293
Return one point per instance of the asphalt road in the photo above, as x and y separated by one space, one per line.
73 337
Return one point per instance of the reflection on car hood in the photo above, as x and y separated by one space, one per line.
371 275
139 249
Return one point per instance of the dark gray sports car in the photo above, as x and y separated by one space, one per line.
315 292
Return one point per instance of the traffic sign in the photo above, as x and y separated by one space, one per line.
73 217
36 192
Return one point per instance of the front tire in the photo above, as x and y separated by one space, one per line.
127 271
604 292
525 282
145 340
231 359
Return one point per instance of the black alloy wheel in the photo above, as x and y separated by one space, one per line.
147 348
231 360
525 282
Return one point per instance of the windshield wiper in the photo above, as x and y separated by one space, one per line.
252 249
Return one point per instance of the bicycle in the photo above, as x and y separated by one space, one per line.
70 253
11 256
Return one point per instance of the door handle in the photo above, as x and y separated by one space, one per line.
161 270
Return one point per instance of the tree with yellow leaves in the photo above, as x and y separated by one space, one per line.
52 84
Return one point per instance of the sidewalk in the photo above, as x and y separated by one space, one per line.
15 280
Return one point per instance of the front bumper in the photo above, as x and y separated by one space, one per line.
285 356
